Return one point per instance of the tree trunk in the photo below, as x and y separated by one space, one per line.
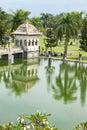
65 47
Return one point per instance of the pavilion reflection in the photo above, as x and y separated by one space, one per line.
20 77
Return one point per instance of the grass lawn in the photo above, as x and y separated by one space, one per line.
73 50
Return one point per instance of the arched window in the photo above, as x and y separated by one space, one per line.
32 42
29 43
36 42
25 42
16 42
20 42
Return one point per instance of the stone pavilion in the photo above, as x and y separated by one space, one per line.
26 37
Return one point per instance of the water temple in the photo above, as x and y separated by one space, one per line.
26 43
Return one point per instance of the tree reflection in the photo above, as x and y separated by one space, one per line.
71 77
6 78
82 70
65 84
0 76
49 72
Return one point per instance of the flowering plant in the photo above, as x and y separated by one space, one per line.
36 121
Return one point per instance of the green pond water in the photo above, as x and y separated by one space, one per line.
44 85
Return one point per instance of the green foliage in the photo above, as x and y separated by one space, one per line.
36 121
18 17
50 40
66 28
9 22
36 21
45 18
83 38
3 23
81 126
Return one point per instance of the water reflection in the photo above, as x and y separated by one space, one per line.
65 84
61 90
82 83
71 78
20 76
66 81
49 71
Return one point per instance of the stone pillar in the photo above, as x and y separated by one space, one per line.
9 56
27 44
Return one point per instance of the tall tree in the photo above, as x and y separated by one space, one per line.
77 18
36 21
66 27
50 40
46 21
18 17
83 38
3 23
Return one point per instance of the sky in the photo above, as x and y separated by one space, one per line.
36 7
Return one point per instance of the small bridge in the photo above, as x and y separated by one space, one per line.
10 51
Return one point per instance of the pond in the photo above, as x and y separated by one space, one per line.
51 86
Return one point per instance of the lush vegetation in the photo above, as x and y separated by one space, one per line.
56 29
83 37
36 121
59 33
72 53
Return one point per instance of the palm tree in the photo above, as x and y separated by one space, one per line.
36 21
46 20
18 17
66 27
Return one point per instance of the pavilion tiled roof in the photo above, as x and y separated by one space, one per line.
26 29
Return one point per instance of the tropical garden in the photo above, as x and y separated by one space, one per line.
64 33
61 32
